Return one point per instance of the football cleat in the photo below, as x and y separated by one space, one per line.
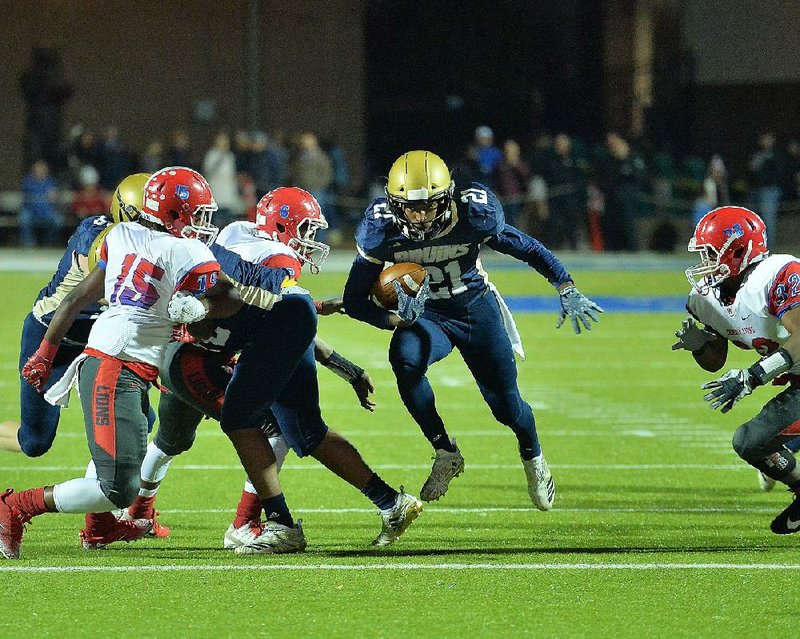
275 539
446 467
11 528
235 537
541 487
126 531
143 508
788 522
765 483
398 518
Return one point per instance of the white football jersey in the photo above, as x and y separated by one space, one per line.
752 320
143 270
241 238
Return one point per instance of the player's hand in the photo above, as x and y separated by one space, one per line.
180 333
364 387
691 337
578 307
39 366
185 308
410 308
728 389
329 307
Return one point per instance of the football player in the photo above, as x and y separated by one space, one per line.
36 430
422 220
153 272
743 295
204 379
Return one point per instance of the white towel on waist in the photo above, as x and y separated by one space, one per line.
58 395
508 323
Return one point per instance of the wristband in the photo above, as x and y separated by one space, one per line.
47 350
318 306
344 368
768 368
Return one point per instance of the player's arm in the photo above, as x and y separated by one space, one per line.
36 370
579 308
736 384
357 303
356 376
258 285
709 348
203 293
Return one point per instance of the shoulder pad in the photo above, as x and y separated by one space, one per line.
481 209
374 225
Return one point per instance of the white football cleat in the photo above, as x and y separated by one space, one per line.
275 539
398 518
235 537
541 487
765 483
446 467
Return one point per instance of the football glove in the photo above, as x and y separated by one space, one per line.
411 307
729 389
37 369
180 333
185 308
578 307
691 337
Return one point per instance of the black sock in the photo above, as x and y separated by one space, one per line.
379 492
443 442
276 510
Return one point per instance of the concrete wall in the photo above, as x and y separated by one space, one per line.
142 63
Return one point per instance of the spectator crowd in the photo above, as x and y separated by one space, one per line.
558 188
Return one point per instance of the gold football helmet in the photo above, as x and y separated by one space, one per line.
128 198
420 192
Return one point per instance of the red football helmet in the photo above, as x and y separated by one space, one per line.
180 200
292 216
729 239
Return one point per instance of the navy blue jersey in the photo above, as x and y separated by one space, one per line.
232 333
67 276
451 258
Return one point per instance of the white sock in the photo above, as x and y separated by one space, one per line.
281 450
91 470
154 468
81 496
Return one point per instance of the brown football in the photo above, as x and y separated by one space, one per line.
409 275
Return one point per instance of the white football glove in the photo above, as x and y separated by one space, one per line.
185 308
577 306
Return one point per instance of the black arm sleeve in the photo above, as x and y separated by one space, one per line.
515 243
357 302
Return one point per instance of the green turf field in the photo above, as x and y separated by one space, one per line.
658 530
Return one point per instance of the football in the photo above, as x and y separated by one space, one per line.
409 275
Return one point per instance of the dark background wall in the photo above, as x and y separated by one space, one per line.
142 64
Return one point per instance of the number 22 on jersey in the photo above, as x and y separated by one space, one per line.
134 286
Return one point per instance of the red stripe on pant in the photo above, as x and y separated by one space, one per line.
103 396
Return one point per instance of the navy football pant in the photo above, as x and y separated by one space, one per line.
478 333
38 419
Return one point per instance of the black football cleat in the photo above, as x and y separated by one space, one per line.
788 521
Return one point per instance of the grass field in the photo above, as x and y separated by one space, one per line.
658 530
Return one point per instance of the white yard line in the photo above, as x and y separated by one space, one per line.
439 509
397 567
